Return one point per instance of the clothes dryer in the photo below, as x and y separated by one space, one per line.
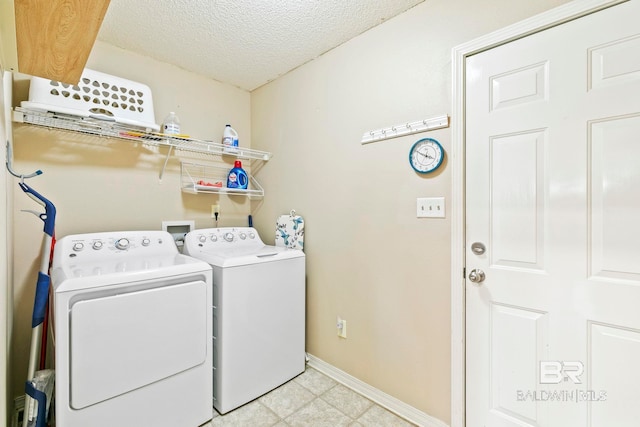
258 312
133 326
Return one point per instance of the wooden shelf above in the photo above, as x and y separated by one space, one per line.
53 38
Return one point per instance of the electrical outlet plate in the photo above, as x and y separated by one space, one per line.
430 207
342 328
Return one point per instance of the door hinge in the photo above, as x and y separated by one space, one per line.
464 272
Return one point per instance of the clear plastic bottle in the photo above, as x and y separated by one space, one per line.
171 124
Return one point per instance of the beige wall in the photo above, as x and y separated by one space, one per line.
98 184
369 259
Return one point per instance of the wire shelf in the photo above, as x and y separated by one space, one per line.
199 178
111 129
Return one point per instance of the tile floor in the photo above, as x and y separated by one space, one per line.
310 399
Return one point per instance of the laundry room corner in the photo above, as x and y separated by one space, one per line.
104 184
334 139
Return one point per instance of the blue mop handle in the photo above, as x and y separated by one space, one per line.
42 285
49 215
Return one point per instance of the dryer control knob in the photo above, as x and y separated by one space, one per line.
202 238
228 237
146 242
243 236
97 245
122 243
214 238
252 235
78 246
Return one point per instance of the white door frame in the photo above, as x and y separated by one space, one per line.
6 243
553 17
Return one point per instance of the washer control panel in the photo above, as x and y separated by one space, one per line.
223 238
114 244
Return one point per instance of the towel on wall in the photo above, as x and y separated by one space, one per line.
290 231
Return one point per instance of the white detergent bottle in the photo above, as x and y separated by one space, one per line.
230 140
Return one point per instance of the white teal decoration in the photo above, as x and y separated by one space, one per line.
290 231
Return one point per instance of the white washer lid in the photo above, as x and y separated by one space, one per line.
233 257
86 275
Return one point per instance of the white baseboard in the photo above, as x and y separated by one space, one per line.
394 405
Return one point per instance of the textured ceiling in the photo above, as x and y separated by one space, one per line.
246 43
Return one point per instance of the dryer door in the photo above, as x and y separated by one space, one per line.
119 343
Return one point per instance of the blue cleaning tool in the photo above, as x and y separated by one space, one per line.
40 302
42 292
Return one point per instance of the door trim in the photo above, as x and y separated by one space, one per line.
551 18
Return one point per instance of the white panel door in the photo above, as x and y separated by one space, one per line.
553 193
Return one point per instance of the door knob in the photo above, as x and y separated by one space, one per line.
476 275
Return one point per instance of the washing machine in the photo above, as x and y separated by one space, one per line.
258 312
132 325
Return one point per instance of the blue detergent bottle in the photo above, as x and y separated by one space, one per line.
237 177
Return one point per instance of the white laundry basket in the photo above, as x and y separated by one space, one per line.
97 95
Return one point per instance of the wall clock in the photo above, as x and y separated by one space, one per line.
426 155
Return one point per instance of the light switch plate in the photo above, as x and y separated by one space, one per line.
430 207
